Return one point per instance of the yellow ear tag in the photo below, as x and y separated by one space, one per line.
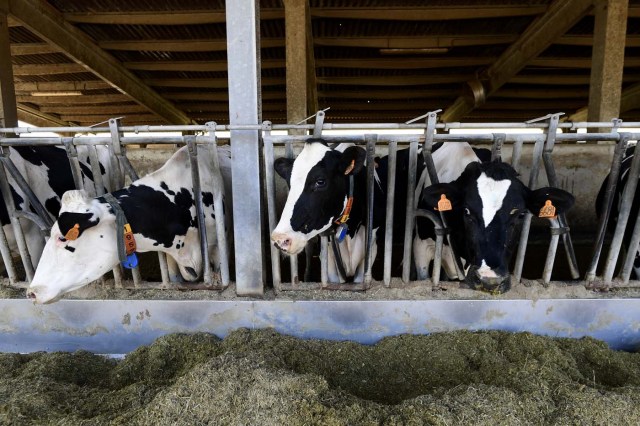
73 233
548 210
350 168
444 204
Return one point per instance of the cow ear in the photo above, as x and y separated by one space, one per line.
561 200
433 193
352 160
283 167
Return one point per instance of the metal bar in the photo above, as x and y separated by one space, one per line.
526 222
15 224
243 58
409 217
324 260
72 155
553 181
551 253
371 167
271 201
218 208
632 251
516 154
388 234
612 183
623 216
202 228
98 183
496 148
440 230
7 259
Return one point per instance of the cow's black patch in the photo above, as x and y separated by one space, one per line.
152 214
68 220
164 186
207 199
69 248
55 159
4 214
53 205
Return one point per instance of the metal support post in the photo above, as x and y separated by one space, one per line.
388 234
371 167
243 57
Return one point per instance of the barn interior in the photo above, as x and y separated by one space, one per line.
169 63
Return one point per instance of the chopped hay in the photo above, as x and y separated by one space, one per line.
262 377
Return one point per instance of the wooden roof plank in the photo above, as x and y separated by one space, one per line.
187 45
176 17
559 17
434 13
50 26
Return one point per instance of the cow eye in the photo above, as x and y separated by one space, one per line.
321 183
513 211
467 212
62 239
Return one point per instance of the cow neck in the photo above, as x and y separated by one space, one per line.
125 240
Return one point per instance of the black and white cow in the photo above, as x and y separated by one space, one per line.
47 171
319 185
161 211
488 204
623 178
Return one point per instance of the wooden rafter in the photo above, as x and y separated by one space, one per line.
188 45
49 25
558 18
177 17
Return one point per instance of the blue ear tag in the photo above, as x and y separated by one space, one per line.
342 232
131 262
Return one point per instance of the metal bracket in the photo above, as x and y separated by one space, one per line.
317 128
311 116
413 120
496 148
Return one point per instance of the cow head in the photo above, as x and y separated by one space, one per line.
84 232
488 204
318 182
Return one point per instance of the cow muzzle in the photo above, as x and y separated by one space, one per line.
287 243
488 280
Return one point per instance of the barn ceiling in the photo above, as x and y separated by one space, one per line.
164 61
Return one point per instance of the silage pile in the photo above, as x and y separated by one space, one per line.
264 378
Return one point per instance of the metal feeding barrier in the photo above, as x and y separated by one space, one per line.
116 144
542 158
275 144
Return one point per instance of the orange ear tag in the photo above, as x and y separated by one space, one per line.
548 210
350 168
73 233
444 204
129 241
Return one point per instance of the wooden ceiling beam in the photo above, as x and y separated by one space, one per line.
60 86
212 66
385 94
560 16
419 42
435 13
104 109
97 118
398 80
188 45
404 63
20 49
48 24
48 69
558 93
72 99
207 83
629 100
38 118
214 96
175 17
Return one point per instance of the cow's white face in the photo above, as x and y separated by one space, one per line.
67 265
319 186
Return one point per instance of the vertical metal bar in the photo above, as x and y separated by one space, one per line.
7 259
164 268
632 251
623 217
496 148
610 190
517 153
15 224
553 181
271 200
324 260
371 167
293 258
409 217
197 193
526 222
388 234
72 155
98 183
243 58
437 260
218 207
551 253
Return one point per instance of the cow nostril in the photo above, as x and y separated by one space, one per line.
31 295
